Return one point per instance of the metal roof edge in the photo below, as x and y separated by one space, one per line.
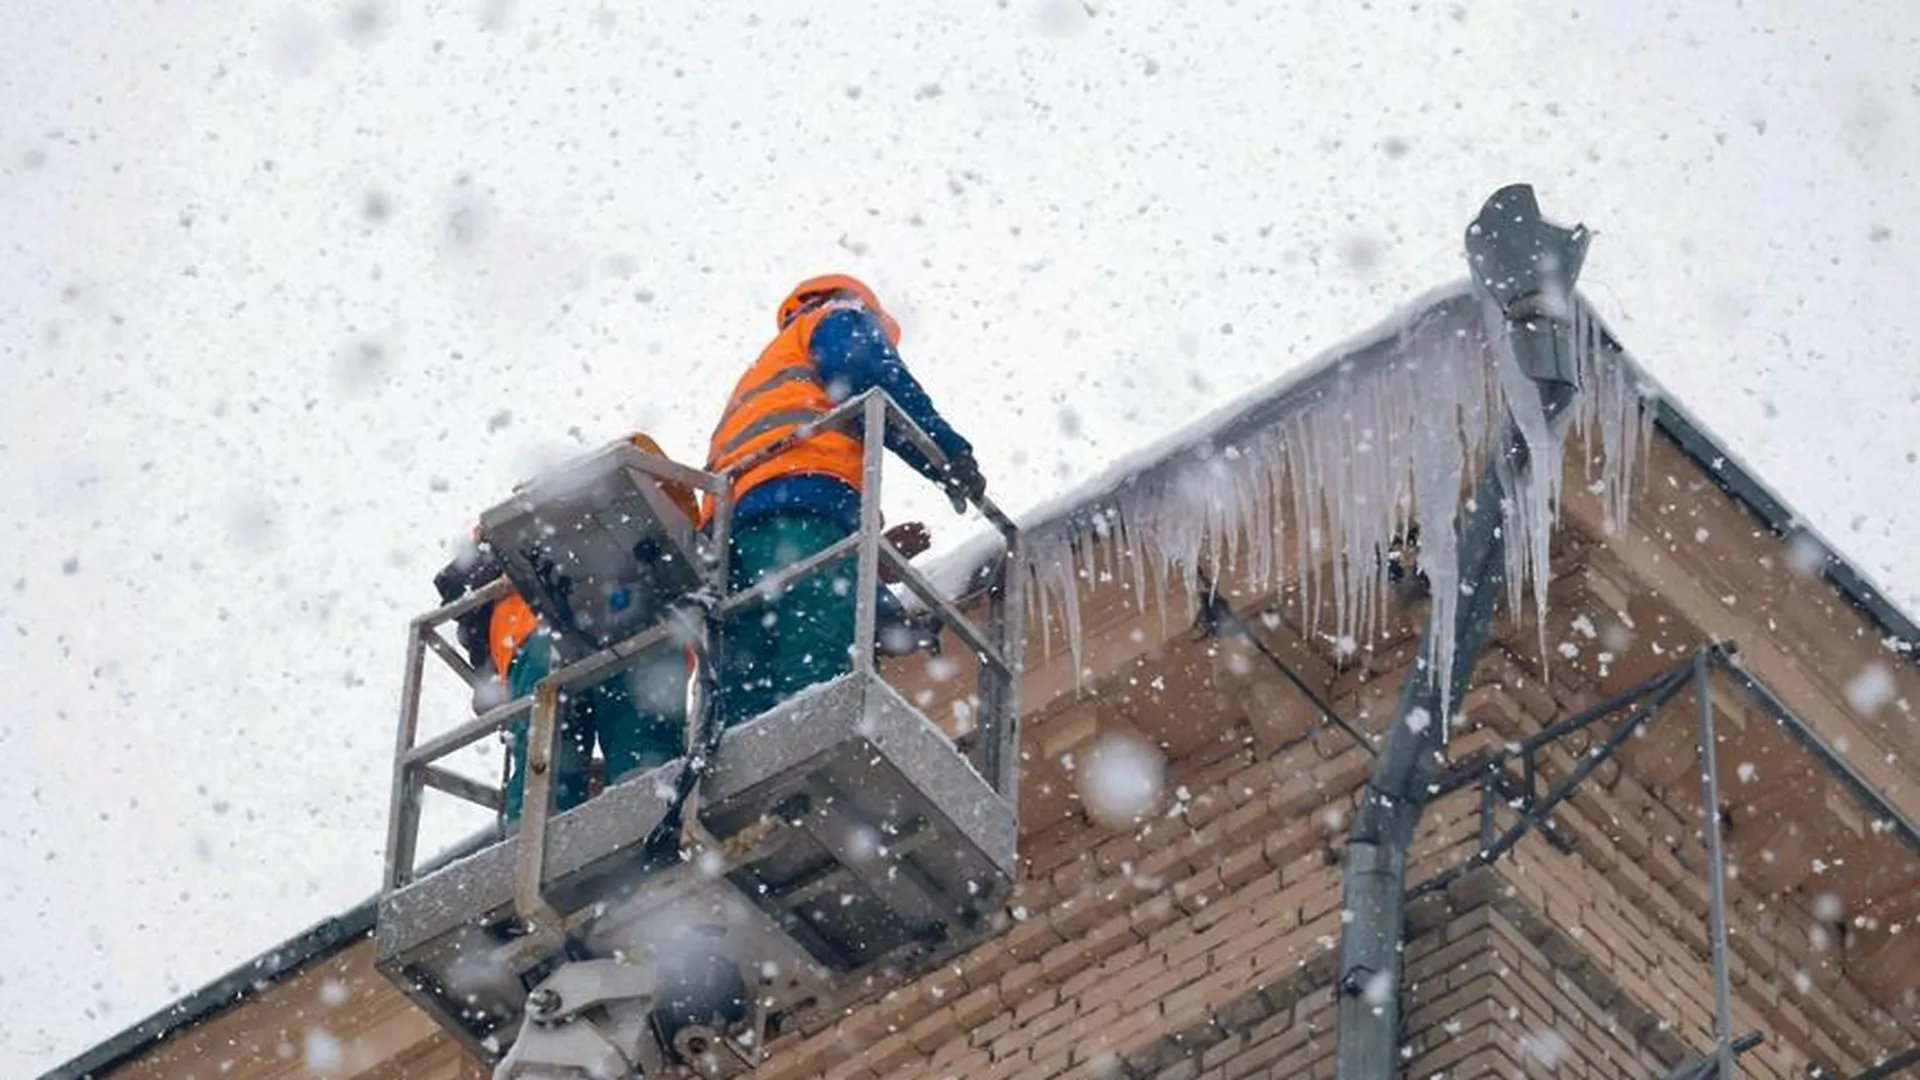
322 940
318 942
1733 478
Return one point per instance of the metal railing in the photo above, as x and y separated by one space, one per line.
992 747
1637 707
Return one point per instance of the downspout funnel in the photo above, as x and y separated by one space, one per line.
1525 268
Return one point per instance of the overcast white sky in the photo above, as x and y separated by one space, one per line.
289 291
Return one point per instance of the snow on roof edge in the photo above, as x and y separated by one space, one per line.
961 572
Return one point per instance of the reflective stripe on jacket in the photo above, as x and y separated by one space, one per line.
778 394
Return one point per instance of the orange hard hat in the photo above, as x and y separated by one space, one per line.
815 289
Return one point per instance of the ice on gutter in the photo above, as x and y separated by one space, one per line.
1384 431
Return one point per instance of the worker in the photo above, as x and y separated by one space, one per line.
469 572
637 717
834 342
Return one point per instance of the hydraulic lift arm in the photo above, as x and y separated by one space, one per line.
589 1019
618 1019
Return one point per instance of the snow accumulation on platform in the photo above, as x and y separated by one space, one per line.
1389 429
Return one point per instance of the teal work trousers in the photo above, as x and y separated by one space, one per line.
804 636
638 719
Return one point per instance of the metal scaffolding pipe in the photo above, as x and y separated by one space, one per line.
1716 865
1904 1060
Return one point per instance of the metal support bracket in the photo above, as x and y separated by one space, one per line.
1646 699
1217 619
1710 1066
1906 1059
529 893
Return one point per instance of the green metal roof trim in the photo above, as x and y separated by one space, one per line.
322 940
1731 477
330 936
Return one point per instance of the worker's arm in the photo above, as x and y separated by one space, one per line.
853 356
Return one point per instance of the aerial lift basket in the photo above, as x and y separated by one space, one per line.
835 846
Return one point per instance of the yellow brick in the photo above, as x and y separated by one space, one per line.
1122 982
1164 983
1039 1000
1197 892
933 1030
976 1006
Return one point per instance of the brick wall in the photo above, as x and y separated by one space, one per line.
1208 933
1204 946
1492 1000
1500 988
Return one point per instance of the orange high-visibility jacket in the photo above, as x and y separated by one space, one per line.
514 621
512 624
778 394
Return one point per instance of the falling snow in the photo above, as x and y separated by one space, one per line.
251 273
1806 555
1120 780
1378 989
322 1053
1871 689
1546 1046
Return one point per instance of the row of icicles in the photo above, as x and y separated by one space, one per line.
1386 436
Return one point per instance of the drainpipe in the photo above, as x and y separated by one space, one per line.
1526 267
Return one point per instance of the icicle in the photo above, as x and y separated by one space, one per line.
1610 396
1533 500
1385 435
1306 506
1438 452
